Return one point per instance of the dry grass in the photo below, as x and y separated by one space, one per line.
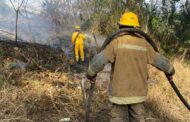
42 92
162 100
47 97
43 97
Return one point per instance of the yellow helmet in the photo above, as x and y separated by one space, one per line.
129 19
77 27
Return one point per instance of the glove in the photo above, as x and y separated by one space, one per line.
92 79
169 77
170 74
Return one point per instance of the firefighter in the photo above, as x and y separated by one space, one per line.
129 55
78 39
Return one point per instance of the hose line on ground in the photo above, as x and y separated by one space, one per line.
151 42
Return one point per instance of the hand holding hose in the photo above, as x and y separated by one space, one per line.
92 79
169 77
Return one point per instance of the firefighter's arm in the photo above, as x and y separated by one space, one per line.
163 64
160 62
84 36
96 65
98 62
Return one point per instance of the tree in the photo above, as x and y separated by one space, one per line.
17 10
64 14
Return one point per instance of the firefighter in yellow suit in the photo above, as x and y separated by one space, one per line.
78 39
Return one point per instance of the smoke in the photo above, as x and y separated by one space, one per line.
49 22
32 26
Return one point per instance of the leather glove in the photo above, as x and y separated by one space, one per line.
92 79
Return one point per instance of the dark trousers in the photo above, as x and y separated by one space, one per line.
128 113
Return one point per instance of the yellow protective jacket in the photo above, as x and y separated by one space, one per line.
78 41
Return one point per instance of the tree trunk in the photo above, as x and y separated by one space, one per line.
147 23
16 28
186 7
184 55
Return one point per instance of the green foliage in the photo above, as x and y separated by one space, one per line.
169 25
166 21
107 14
